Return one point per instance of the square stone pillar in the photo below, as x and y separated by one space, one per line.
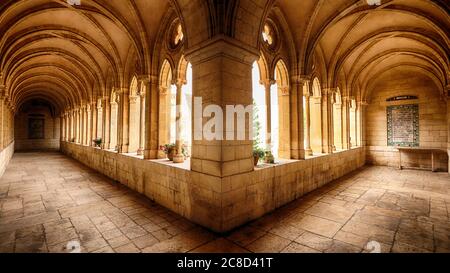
99 133
298 85
123 121
151 115
346 122
106 123
222 75
327 120
94 123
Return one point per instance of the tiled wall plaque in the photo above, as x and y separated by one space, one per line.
403 125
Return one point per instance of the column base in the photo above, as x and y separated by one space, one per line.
123 149
140 151
308 152
151 154
178 158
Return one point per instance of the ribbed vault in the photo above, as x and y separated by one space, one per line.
67 53
349 42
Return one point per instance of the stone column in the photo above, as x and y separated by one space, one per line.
222 75
88 141
337 117
164 119
78 129
327 120
100 119
308 150
70 124
346 122
94 123
360 115
123 124
113 125
151 147
83 125
66 126
294 120
141 123
133 125
267 88
284 143
106 134
179 157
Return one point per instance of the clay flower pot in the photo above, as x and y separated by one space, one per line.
255 160
171 154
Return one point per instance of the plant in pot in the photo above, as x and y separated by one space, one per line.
184 151
258 154
269 158
97 142
169 150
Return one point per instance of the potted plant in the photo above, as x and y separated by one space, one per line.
269 158
184 151
97 142
258 153
169 150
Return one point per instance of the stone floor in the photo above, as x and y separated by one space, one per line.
51 203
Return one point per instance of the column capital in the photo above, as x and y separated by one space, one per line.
163 90
300 79
267 83
329 91
284 90
146 79
179 83
347 98
132 99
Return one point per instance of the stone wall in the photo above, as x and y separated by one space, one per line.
51 139
432 122
5 157
220 204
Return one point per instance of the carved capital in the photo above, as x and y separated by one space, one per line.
267 83
132 99
163 90
284 90
179 83
329 91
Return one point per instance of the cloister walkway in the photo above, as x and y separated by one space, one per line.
50 203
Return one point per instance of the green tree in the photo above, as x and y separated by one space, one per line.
256 127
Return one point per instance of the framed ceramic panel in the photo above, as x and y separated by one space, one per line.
403 125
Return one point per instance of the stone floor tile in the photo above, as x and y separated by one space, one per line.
220 245
269 243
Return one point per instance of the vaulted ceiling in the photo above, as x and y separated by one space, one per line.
68 54
351 43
